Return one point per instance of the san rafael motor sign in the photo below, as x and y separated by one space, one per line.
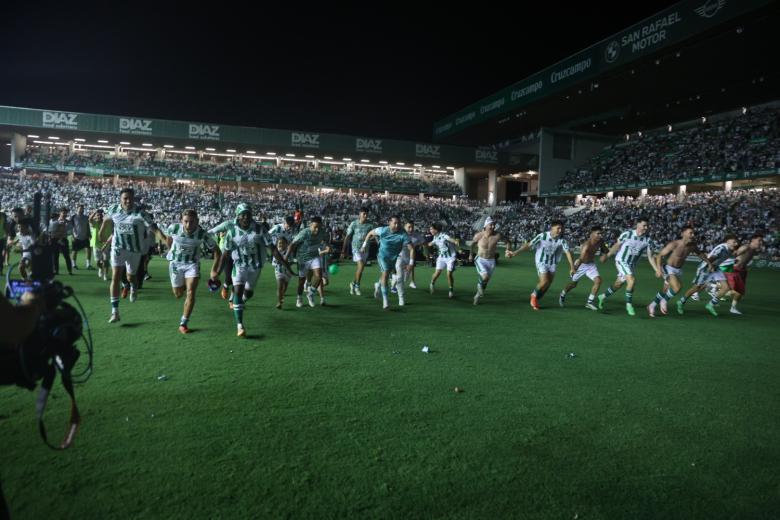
135 126
63 120
204 132
305 140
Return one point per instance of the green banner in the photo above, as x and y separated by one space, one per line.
259 140
718 177
668 27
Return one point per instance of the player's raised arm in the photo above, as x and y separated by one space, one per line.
106 229
739 264
656 267
350 232
369 236
614 249
525 247
410 265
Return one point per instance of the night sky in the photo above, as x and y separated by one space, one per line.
375 71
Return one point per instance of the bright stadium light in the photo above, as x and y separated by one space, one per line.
231 151
270 153
79 140
124 143
289 155
51 138
347 159
365 161
328 158
189 147
43 142
435 167
418 165
211 149
147 144
400 164
33 136
450 167
167 146
382 162
102 141
310 157
250 151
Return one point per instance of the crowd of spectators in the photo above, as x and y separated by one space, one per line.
746 142
190 166
713 214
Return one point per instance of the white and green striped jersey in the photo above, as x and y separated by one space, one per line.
416 239
632 246
278 231
310 244
186 247
720 255
548 249
130 228
358 232
222 228
446 248
278 266
248 247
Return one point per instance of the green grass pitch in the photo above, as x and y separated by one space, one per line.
336 412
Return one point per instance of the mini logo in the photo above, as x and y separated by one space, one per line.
135 126
60 120
205 132
430 151
368 145
612 52
303 140
487 156
710 8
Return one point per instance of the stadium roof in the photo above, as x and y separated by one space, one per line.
694 58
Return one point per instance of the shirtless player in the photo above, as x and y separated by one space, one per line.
485 242
676 251
585 266
738 277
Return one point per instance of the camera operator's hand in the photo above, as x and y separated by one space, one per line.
18 321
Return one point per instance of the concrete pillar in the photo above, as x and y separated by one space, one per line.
610 194
422 196
500 190
492 188
71 147
116 180
681 191
643 193
387 193
71 176
18 144
460 178
278 162
351 192
578 199
727 186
